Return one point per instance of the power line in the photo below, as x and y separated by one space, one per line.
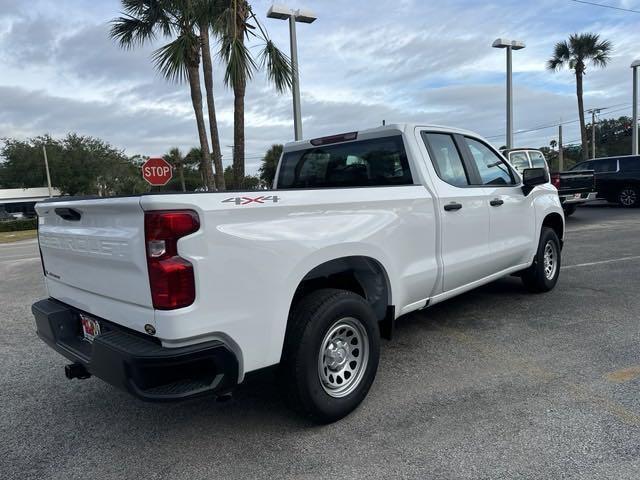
554 125
606 6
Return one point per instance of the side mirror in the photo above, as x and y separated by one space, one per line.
531 177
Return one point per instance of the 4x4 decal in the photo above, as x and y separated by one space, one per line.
247 200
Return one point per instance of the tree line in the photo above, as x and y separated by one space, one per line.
83 165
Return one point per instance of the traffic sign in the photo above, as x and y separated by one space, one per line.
157 172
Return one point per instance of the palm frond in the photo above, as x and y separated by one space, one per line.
131 32
277 65
172 59
240 63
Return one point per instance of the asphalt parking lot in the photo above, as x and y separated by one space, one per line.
497 383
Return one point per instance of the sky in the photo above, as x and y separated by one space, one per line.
361 62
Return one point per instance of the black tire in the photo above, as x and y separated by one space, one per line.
310 322
569 210
629 197
538 278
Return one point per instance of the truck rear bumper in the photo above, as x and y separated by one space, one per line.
134 363
580 198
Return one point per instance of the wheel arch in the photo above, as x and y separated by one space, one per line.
555 221
361 274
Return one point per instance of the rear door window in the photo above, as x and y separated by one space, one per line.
537 159
364 163
519 160
446 158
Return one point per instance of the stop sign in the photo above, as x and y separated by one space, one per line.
157 172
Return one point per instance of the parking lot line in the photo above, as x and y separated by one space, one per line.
613 260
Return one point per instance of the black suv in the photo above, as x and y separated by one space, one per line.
617 178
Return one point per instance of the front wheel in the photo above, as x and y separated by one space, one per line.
629 197
331 354
543 274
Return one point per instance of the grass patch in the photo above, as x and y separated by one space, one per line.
8 237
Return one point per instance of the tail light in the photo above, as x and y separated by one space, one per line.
170 276
555 180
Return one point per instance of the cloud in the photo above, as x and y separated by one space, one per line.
361 62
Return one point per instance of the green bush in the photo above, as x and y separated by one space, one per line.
19 225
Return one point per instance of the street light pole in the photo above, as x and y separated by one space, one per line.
281 12
295 79
509 97
510 46
634 126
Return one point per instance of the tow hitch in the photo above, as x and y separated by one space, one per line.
76 370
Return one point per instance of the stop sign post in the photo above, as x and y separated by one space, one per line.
157 172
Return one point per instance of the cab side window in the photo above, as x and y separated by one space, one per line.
493 169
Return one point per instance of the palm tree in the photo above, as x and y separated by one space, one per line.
208 12
553 144
235 24
576 53
175 158
179 60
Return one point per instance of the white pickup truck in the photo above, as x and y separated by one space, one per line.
172 296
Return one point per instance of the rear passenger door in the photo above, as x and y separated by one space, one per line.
463 211
511 217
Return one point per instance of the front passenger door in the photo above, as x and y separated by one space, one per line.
511 217
463 210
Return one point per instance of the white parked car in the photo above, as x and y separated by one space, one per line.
171 296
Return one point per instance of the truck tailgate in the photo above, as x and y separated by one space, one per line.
94 257
578 181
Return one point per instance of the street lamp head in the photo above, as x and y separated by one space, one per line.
305 16
505 43
635 64
281 12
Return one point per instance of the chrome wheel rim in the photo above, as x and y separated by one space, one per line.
628 197
343 357
550 260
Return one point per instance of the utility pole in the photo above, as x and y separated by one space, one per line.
560 150
593 113
46 166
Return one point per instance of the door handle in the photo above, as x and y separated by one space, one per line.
453 206
496 202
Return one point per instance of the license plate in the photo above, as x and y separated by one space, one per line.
577 195
90 327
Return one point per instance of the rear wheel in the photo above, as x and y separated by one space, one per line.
543 274
629 197
331 354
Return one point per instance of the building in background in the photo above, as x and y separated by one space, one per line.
20 202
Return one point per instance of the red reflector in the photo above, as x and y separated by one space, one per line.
343 137
170 276
172 283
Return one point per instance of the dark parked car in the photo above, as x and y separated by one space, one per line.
617 178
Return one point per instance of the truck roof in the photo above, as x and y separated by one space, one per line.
381 131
